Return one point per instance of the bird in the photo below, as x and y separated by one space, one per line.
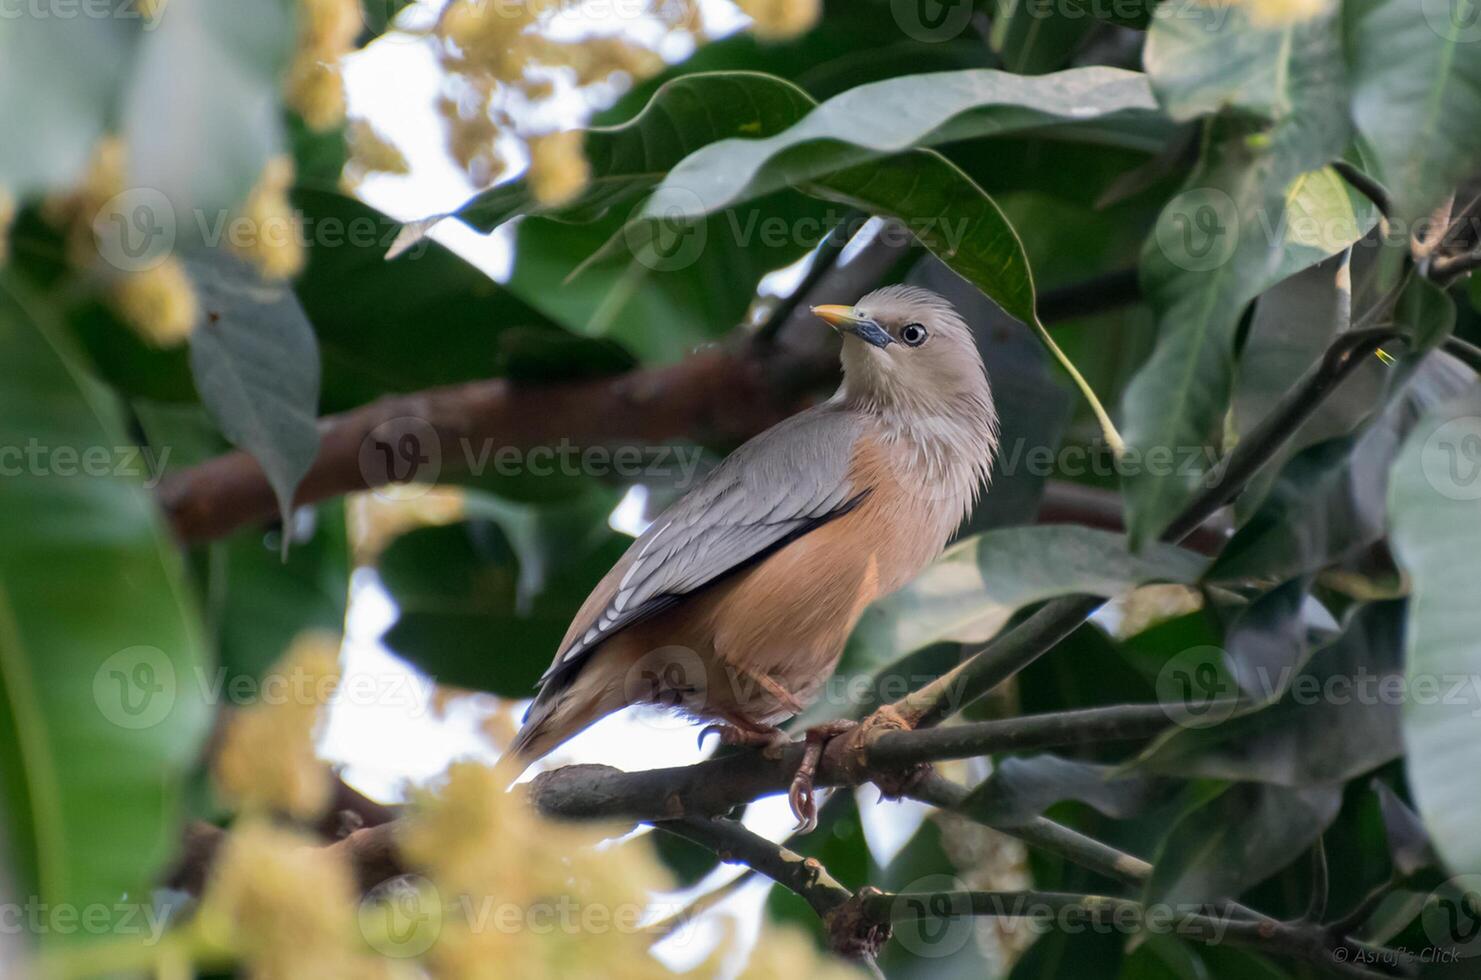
734 605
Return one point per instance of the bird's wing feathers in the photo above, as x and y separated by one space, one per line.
780 485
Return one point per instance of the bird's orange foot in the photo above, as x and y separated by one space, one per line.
771 741
814 740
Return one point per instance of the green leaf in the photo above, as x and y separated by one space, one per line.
1336 717
100 715
969 593
885 118
256 366
1020 789
1242 836
1416 94
207 79
1433 490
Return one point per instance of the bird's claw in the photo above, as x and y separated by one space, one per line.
800 795
769 742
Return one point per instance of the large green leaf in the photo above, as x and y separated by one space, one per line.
1433 490
885 118
1258 208
61 77
100 710
1242 836
1416 94
1035 36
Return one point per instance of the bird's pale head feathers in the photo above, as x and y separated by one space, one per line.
909 357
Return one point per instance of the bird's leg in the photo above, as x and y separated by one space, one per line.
768 738
814 740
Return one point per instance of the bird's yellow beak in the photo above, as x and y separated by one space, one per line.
850 320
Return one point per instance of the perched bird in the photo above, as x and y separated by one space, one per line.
734 605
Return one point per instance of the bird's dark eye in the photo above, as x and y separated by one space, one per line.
913 334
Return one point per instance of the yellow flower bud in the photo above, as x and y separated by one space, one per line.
7 218
273 242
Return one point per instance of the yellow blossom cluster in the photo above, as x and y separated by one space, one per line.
502 64
284 904
534 897
266 761
779 20
327 31
270 237
157 298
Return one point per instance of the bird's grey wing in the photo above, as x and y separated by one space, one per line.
782 484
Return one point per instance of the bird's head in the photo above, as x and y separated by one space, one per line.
907 347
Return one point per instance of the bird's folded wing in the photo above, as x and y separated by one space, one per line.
784 483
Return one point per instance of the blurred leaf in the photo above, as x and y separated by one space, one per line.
936 948
979 583
428 319
1242 836
1085 955
1434 486
200 117
100 717
1334 718
1416 95
1022 788
256 366
468 613
63 75
687 860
